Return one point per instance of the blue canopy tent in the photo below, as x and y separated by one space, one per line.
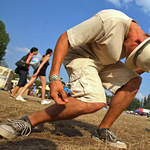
68 91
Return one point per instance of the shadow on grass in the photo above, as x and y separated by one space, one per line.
30 100
148 130
35 100
28 144
70 128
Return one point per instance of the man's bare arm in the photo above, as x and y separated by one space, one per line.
56 86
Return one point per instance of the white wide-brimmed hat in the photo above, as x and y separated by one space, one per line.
140 57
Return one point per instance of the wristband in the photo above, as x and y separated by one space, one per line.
53 78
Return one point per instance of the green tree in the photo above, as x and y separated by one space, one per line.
109 97
37 83
15 76
4 40
142 103
135 104
147 106
145 101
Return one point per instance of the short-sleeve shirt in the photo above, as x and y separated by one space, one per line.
100 38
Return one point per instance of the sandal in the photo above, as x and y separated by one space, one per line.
12 96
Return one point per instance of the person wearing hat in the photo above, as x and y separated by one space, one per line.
91 53
139 57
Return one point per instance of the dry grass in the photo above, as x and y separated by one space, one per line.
72 134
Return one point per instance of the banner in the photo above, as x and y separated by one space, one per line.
6 76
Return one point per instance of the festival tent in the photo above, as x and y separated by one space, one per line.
142 110
66 89
47 87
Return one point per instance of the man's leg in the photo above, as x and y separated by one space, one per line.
121 101
89 87
71 110
22 127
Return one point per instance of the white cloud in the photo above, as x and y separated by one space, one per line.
38 55
8 52
26 50
119 3
140 96
115 2
127 1
149 31
145 4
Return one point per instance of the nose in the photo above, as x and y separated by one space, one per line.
138 41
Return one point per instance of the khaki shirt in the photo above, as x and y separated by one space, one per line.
100 38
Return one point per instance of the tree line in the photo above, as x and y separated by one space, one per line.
136 103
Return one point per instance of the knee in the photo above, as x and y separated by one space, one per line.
133 85
93 107
136 82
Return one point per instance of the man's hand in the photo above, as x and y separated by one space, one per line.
56 88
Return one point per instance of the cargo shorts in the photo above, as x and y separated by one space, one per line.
88 78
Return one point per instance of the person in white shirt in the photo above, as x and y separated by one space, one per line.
91 53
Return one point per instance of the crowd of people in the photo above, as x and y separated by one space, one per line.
91 53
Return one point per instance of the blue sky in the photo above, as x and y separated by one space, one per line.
39 23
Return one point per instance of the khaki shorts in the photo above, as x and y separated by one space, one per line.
88 79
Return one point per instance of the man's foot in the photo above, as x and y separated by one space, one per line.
108 137
45 101
20 98
14 128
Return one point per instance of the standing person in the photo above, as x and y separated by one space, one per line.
91 52
23 73
41 73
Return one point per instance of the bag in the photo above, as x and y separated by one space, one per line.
17 70
35 62
22 63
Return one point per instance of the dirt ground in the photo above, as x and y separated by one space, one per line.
70 134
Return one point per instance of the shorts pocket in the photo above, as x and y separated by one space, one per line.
79 83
